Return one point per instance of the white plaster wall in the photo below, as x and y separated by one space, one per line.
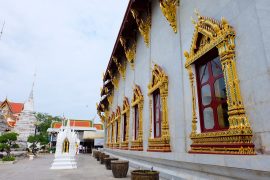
129 83
165 52
142 78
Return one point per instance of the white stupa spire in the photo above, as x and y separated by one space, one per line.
29 104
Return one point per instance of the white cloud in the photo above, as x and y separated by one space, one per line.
69 42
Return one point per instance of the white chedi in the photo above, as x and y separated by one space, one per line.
66 148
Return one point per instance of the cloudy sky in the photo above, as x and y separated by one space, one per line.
67 42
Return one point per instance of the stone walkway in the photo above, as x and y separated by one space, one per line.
39 169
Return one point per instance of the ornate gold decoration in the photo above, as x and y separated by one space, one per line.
138 100
159 81
115 81
110 98
112 130
238 138
117 120
144 26
126 111
120 67
108 132
169 10
130 50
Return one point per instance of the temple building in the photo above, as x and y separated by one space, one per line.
10 113
186 89
19 118
91 135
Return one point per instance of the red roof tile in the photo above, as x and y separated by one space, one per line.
16 107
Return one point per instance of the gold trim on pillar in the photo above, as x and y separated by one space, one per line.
169 10
129 46
144 25
137 99
159 81
117 120
126 111
112 130
108 126
238 138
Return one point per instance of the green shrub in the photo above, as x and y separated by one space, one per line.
8 158
53 149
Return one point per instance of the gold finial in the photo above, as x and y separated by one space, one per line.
186 54
193 21
197 13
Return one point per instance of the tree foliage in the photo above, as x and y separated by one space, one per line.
44 122
8 141
34 140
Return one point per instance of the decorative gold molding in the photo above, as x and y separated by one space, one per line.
144 26
159 80
238 138
126 111
137 99
169 10
130 49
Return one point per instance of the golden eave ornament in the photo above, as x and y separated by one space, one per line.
130 50
237 139
144 26
169 10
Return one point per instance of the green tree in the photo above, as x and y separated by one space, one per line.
44 122
8 141
34 140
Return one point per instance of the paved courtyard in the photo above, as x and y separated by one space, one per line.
39 169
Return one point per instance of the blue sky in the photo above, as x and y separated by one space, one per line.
67 42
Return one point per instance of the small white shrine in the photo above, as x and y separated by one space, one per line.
66 148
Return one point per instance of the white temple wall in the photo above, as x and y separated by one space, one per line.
165 52
129 84
142 78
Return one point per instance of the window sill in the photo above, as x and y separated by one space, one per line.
159 145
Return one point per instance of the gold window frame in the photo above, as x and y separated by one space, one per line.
238 138
126 110
137 99
159 80
112 130
117 120
108 126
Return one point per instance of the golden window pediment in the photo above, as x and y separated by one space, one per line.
209 34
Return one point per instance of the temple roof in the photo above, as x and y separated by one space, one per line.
128 33
78 123
14 107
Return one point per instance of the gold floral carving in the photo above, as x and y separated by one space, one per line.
130 50
238 138
138 100
126 112
169 10
159 81
144 26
